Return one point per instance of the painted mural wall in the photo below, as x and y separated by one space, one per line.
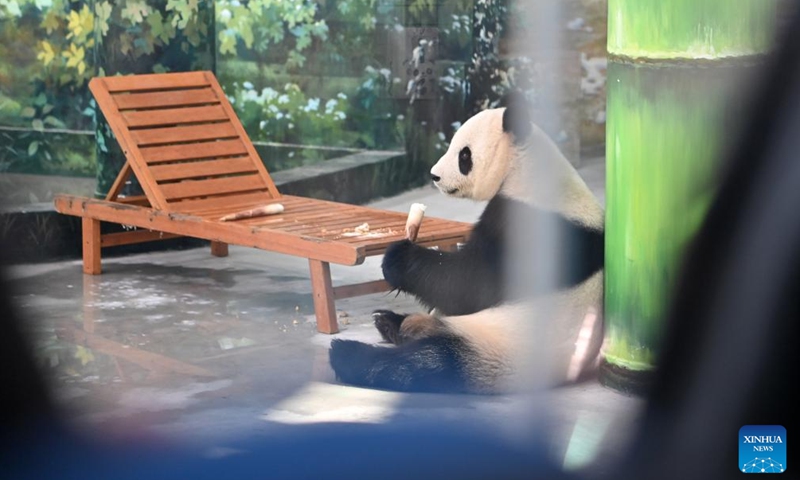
309 79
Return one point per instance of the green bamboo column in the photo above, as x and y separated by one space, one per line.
672 70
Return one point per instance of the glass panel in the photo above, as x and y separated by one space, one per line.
46 58
50 49
309 80
360 98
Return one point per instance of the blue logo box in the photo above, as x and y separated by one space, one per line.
762 449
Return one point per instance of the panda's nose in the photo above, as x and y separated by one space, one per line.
435 177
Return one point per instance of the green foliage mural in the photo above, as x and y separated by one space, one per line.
309 72
263 26
51 48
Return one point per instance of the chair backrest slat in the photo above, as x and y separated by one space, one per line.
182 138
173 116
184 134
156 81
197 151
201 169
166 98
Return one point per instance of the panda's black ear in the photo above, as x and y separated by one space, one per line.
516 118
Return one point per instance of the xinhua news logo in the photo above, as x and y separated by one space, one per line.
762 449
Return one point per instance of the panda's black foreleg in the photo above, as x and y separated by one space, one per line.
455 283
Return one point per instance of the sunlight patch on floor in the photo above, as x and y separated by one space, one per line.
320 402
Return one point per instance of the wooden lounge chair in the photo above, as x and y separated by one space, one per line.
195 163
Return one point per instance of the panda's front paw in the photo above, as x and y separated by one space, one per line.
396 263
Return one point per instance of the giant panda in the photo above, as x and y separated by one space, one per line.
483 332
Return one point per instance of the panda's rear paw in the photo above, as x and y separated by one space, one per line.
388 325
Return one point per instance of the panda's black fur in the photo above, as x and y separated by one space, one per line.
464 287
474 278
433 364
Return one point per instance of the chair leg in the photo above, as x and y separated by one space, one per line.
91 246
322 289
219 249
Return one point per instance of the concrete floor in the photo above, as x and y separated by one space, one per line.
196 348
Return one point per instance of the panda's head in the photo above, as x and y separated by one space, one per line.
482 153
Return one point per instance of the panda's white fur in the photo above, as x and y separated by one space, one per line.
506 172
483 343
562 347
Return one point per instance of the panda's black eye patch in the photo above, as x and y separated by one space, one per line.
465 161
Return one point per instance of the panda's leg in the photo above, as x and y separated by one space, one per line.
418 326
398 329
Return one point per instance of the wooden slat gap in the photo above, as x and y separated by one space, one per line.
209 176
176 201
174 125
164 107
165 88
190 142
189 161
